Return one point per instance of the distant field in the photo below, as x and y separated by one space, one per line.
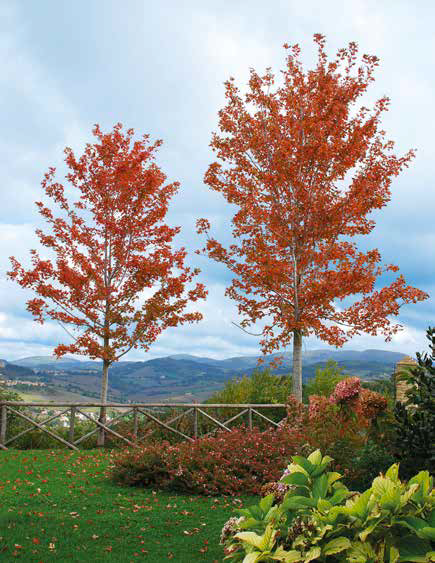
58 396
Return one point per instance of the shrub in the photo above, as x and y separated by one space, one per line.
260 387
339 425
325 380
243 461
319 519
370 460
415 418
228 463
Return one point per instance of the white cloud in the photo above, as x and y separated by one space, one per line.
161 71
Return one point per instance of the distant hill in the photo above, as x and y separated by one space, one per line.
47 361
13 371
182 377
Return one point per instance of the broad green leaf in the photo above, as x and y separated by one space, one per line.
315 458
338 496
390 500
284 556
263 543
296 478
251 538
413 549
320 487
243 512
252 557
407 495
266 502
336 545
297 502
359 506
381 485
361 553
426 483
393 472
312 554
273 512
296 468
303 462
368 530
333 476
393 554
413 523
250 523
323 505
427 533
322 466
256 512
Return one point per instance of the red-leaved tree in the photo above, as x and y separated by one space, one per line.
110 246
306 165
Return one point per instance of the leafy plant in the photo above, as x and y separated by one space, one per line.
325 380
234 462
370 460
319 519
415 418
260 387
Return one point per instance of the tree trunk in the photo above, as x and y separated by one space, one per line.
297 365
104 387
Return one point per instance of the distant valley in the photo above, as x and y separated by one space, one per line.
179 377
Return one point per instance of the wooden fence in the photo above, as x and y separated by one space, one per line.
148 412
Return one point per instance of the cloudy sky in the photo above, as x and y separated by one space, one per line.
159 68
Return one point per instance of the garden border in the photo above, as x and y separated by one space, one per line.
104 427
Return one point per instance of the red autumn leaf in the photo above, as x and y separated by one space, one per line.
306 167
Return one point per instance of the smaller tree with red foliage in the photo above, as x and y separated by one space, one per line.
109 248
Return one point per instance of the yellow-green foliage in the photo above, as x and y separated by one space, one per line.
260 387
325 380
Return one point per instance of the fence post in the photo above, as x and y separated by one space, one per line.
3 423
250 418
72 419
195 423
135 423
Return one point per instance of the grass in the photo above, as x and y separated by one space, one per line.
54 395
60 506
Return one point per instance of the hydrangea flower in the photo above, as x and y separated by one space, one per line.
278 489
346 390
230 527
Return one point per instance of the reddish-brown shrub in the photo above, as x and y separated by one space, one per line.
228 463
242 461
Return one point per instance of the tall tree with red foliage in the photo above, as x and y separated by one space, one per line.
110 246
306 165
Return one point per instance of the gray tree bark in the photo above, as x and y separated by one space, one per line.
103 411
297 365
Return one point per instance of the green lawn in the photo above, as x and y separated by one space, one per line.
59 506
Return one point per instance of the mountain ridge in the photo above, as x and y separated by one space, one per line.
185 377
310 356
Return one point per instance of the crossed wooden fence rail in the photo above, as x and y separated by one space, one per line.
149 412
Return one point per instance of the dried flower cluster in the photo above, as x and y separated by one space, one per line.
231 526
276 488
346 391
371 404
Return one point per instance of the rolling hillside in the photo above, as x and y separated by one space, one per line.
183 377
